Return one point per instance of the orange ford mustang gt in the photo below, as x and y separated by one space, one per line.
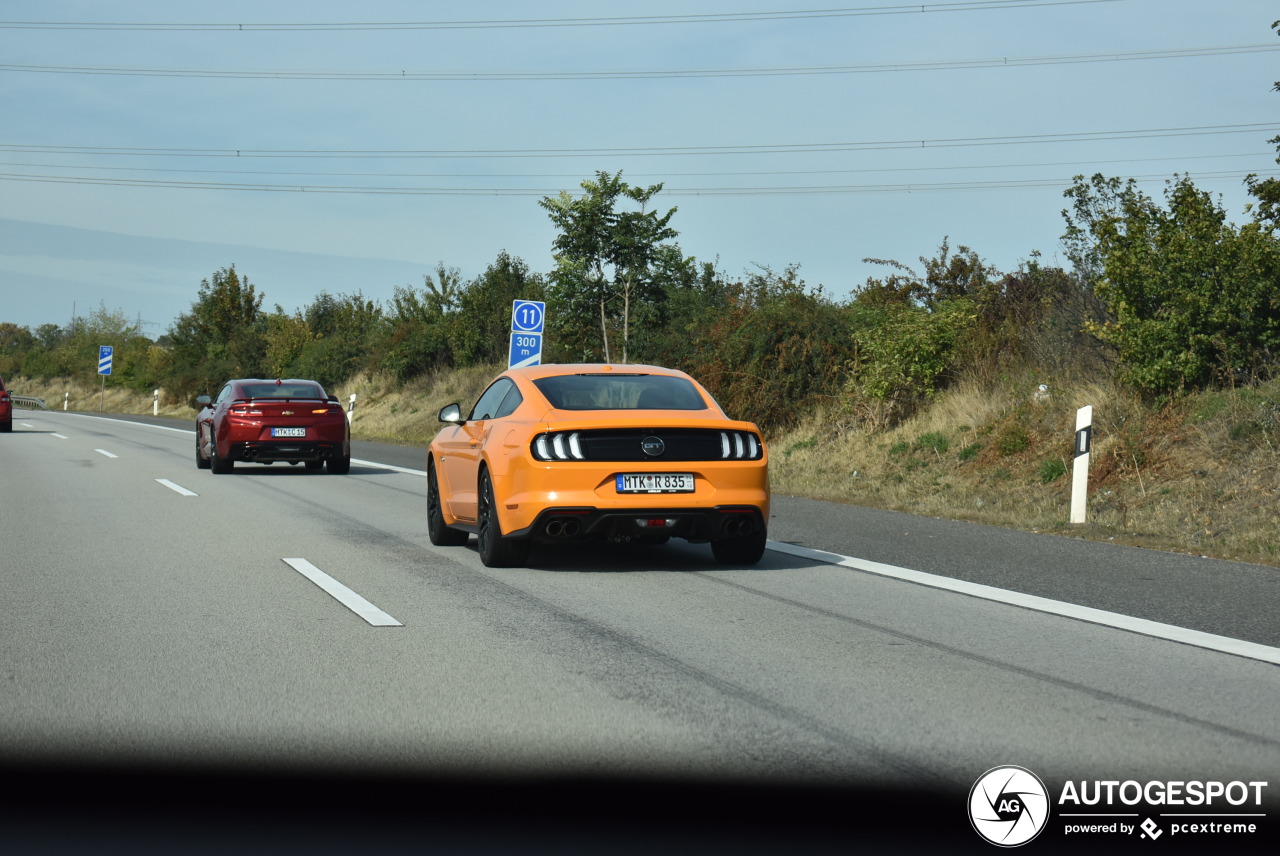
611 452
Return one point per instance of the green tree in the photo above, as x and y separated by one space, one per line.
605 255
221 336
421 324
1191 298
484 308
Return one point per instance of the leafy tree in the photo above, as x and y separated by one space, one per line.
605 255
222 336
484 306
773 350
1192 299
421 324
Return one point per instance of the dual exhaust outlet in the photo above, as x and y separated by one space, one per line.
563 527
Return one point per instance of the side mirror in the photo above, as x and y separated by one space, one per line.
451 413
203 400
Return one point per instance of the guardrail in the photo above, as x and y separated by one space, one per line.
28 401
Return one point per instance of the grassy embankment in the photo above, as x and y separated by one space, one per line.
1199 475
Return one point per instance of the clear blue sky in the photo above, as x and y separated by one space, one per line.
873 129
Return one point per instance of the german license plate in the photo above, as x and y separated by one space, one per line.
654 482
288 432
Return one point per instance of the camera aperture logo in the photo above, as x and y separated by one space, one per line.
1008 806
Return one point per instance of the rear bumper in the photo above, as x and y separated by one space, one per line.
692 524
263 452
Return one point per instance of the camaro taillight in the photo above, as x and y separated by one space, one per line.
558 446
740 446
242 410
333 408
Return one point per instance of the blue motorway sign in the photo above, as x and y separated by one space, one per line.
528 316
526 350
105 353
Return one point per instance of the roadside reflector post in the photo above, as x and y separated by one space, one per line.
351 406
155 403
1080 471
66 397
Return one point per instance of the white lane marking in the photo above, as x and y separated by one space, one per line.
177 488
343 595
404 470
105 453
27 425
130 422
1224 644
60 436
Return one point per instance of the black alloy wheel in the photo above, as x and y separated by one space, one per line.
496 551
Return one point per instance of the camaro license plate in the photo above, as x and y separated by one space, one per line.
288 432
655 482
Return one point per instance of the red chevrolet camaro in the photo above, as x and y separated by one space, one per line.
269 421
6 409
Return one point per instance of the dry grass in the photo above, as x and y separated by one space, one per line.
1199 476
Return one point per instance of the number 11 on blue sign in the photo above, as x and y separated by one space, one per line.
528 316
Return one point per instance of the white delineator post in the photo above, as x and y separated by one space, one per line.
351 408
155 403
1080 471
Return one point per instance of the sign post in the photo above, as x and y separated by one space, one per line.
105 355
528 318
1080 469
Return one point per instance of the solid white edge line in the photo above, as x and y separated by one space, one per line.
105 453
343 595
176 488
404 470
130 422
1199 639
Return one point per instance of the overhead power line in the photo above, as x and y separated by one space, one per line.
652 151
795 190
524 23
646 74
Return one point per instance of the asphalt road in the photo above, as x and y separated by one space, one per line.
159 613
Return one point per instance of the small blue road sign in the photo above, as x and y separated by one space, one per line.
105 353
526 350
528 316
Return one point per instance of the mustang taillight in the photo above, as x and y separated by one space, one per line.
740 446
558 446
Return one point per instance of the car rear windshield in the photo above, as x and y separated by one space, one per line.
620 392
284 390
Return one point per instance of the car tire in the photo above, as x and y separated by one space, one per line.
496 551
740 550
6 426
341 465
440 534
217 463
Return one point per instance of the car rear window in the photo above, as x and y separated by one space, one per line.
285 390
620 392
